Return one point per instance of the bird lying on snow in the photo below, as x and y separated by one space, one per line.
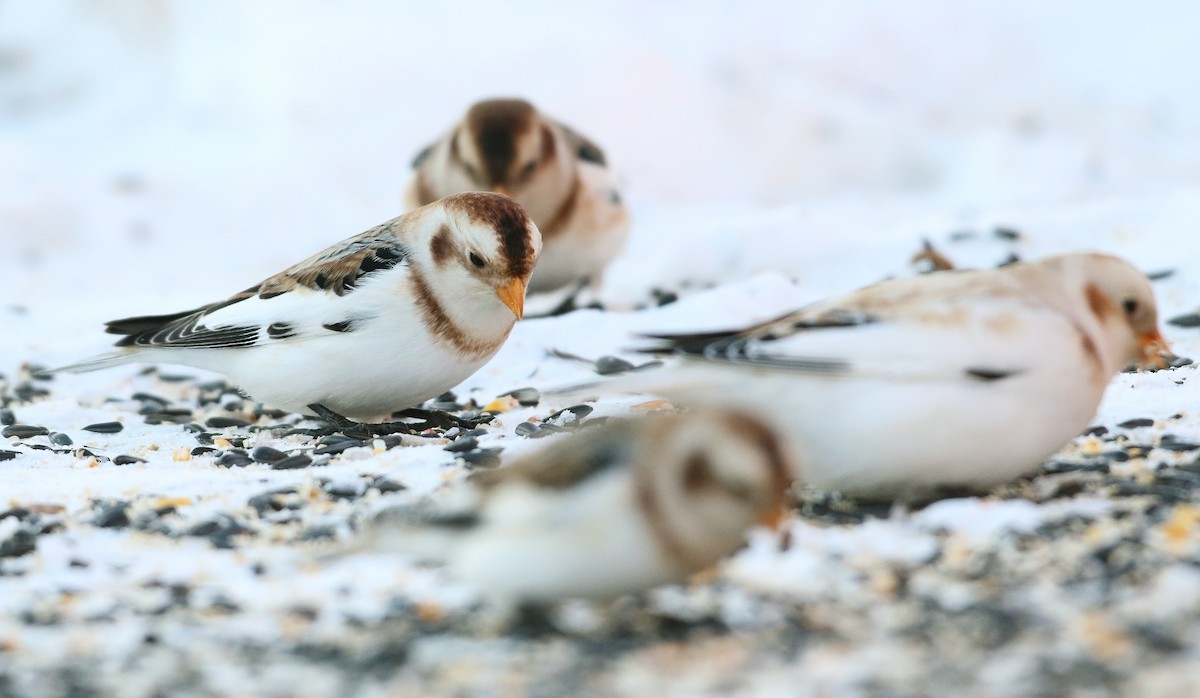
379 322
610 510
559 176
960 379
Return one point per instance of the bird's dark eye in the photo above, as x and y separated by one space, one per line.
1131 306
476 260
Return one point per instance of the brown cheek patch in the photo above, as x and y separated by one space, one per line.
548 146
1092 354
652 512
442 327
441 246
1099 302
697 474
768 442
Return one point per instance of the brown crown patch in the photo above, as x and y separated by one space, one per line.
495 125
508 219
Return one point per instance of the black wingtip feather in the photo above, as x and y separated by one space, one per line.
145 323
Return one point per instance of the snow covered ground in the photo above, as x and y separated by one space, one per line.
156 156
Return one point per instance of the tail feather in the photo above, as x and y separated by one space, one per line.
96 363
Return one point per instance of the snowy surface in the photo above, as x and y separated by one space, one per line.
156 156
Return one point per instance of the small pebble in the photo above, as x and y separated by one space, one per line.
23 431
105 427
201 450
1160 275
338 446
222 422
1004 233
148 397
1135 423
483 458
127 460
569 415
292 462
7 418
385 485
111 514
527 429
8 455
266 454
60 439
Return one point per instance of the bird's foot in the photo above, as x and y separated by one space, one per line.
438 419
359 430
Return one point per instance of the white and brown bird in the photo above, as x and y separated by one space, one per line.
613 509
559 176
379 322
959 379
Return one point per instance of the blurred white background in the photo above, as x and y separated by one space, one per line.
154 148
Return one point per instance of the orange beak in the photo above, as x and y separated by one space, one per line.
1154 349
512 294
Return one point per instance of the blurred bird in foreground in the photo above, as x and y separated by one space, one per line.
558 175
610 510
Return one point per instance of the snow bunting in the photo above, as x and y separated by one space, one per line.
610 510
379 322
948 380
558 175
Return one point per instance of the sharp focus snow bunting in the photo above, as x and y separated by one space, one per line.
559 176
611 510
948 380
379 322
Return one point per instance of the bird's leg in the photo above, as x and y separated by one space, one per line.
358 430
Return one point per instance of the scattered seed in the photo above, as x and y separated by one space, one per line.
201 450
127 460
60 439
7 418
234 460
292 462
1185 320
23 431
1135 423
1005 233
1096 431
1160 275
111 514
526 429
149 397
8 455
483 458
344 490
385 485
105 427
569 415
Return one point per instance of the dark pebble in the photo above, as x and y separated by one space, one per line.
150 397
578 412
201 450
7 418
204 438
1135 423
469 443
526 429
60 439
266 454
8 455
111 514
527 397
173 378
105 427
1065 467
23 431
483 458
270 412
21 542
167 418
1166 493
1186 320
1171 444
385 485
662 298
271 500
127 460
222 422
344 490
26 392
234 460
292 462
1005 233
193 428
1160 275
1096 431
317 533
609 365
